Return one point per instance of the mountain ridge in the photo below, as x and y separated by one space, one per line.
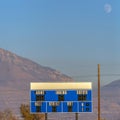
17 72
16 67
8 56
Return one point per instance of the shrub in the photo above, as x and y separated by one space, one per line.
7 115
25 111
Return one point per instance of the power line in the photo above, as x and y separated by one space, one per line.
85 76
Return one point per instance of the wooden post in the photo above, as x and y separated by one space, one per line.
76 116
45 116
99 112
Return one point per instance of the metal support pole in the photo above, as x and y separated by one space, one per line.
99 112
45 116
76 116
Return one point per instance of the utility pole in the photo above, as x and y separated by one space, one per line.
99 112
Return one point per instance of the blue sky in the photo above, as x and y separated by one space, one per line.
72 36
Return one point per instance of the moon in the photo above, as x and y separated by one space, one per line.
108 8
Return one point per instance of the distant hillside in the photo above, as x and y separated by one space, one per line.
110 101
16 73
115 84
112 91
21 71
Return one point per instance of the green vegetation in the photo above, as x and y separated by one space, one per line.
25 111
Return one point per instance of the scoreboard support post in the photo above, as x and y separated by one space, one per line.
76 116
45 116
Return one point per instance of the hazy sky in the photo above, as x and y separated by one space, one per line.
71 36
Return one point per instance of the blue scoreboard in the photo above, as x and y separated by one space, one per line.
61 97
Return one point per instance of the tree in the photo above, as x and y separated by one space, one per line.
25 111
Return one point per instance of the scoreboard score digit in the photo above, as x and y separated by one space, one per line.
61 97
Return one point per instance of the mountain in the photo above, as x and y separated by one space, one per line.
115 84
112 90
16 73
19 70
110 100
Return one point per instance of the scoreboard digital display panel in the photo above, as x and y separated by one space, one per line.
61 97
